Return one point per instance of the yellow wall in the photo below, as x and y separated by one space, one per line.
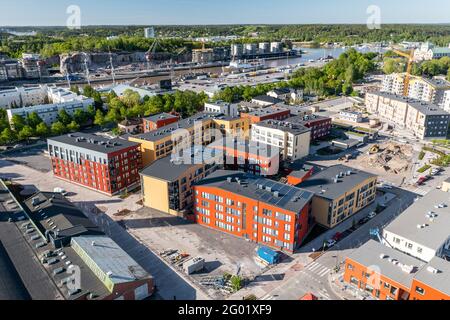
155 194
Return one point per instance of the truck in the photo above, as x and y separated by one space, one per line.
268 255
194 265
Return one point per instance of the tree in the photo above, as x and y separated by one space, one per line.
18 122
64 117
8 136
33 120
73 127
42 130
131 98
26 133
80 116
236 283
58 128
99 119
75 89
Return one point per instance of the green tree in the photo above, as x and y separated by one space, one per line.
80 116
18 122
236 283
8 135
64 117
99 119
26 133
42 130
58 128
33 120
73 127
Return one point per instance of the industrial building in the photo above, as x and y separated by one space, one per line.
422 231
339 193
423 119
253 208
109 166
55 253
167 184
266 100
388 274
293 139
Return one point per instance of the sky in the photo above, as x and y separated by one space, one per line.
160 12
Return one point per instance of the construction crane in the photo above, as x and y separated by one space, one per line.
410 57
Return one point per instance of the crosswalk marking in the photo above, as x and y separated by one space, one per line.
318 269
324 272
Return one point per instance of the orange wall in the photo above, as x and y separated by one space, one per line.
430 293
247 230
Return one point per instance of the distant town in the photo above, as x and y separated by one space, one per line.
234 166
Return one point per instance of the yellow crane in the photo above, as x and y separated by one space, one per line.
410 57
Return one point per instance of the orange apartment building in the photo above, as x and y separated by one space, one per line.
269 113
254 208
388 274
158 121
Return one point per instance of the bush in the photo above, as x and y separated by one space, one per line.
424 168
421 155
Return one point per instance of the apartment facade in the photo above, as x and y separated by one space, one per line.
222 107
320 126
256 209
388 274
200 129
167 184
292 138
339 193
158 121
423 119
97 163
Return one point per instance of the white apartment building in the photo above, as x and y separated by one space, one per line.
23 96
351 116
429 52
393 83
292 139
422 231
221 107
424 119
45 101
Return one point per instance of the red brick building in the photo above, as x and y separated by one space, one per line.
320 126
257 209
269 113
105 165
158 121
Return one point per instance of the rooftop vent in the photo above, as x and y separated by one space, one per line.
276 194
109 274
432 270
383 256
230 179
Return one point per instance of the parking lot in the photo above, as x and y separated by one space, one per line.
33 157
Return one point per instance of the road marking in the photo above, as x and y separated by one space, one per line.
314 267
324 273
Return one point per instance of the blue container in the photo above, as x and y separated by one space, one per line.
268 255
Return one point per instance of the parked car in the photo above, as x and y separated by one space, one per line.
330 243
337 236
363 220
372 215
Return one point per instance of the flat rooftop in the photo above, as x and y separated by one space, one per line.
323 183
263 112
267 99
285 126
160 117
436 274
387 262
436 232
110 258
253 148
167 131
172 167
93 142
264 190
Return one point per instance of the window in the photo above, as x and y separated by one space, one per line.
420 291
350 267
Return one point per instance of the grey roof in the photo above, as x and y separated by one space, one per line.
172 167
167 131
93 142
436 233
160 116
303 171
322 184
438 83
252 147
370 255
11 286
290 198
261 112
109 257
285 126
305 120
67 218
439 281
267 99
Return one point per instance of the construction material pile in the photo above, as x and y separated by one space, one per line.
391 157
